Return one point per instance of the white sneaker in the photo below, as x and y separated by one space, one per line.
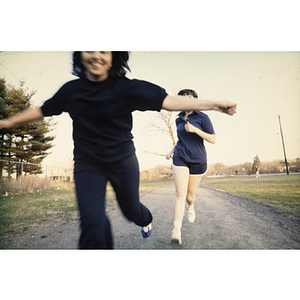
191 213
176 236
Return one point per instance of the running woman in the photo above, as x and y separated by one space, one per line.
189 161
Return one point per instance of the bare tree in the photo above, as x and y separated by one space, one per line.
166 127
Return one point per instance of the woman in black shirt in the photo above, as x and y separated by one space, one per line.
100 104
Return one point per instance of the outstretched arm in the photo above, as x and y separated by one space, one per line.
30 115
183 103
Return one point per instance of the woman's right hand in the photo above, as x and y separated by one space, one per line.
29 115
6 123
169 155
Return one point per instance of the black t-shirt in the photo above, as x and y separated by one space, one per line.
101 114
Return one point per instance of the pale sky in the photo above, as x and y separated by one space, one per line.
264 84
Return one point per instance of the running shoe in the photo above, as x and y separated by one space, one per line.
146 231
191 213
176 236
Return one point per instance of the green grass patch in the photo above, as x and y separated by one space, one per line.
282 193
19 213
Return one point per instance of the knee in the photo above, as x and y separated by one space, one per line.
140 215
180 194
130 215
190 197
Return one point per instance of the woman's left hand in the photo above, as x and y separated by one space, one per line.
189 127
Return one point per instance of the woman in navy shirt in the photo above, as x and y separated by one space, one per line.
100 104
189 161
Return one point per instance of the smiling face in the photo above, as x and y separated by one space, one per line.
97 64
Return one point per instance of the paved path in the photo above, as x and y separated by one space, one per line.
223 221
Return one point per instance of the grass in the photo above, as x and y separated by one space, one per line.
21 212
149 185
282 193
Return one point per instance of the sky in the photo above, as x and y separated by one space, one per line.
264 84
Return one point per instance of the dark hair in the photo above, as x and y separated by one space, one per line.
187 92
119 64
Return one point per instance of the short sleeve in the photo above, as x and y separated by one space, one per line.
146 95
55 105
208 126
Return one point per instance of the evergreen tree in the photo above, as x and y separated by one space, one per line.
27 143
2 116
2 88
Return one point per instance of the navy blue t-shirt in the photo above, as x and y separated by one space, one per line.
102 114
190 146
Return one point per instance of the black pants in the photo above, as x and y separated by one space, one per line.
90 190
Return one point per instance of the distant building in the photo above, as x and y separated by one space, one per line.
61 171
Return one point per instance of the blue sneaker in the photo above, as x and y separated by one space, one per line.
146 231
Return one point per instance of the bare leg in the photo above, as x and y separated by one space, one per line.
181 179
194 181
